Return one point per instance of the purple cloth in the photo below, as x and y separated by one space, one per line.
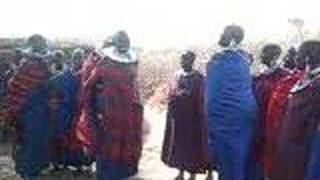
185 143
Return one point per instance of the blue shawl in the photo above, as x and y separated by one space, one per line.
231 111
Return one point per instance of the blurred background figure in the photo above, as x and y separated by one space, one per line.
290 59
77 59
57 62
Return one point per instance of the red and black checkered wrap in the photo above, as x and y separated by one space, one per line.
122 115
28 76
118 134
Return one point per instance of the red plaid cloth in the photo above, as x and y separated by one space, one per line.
122 114
27 77
276 110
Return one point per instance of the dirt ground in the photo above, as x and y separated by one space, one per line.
151 167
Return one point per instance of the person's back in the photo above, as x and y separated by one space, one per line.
233 88
231 108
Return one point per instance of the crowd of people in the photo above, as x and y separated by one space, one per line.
244 126
71 113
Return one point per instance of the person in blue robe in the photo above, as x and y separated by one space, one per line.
64 86
231 107
64 102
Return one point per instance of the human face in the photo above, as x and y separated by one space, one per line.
123 45
267 60
187 64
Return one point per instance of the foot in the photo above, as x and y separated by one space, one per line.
76 173
192 177
56 172
53 168
179 177
209 177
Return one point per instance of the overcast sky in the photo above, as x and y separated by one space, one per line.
155 23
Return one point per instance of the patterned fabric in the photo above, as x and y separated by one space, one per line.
185 143
122 112
277 105
27 101
29 76
111 110
231 110
299 125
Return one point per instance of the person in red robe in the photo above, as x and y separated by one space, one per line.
264 82
263 85
185 142
82 135
276 107
27 107
301 119
113 111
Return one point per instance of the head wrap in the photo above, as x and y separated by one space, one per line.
113 48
